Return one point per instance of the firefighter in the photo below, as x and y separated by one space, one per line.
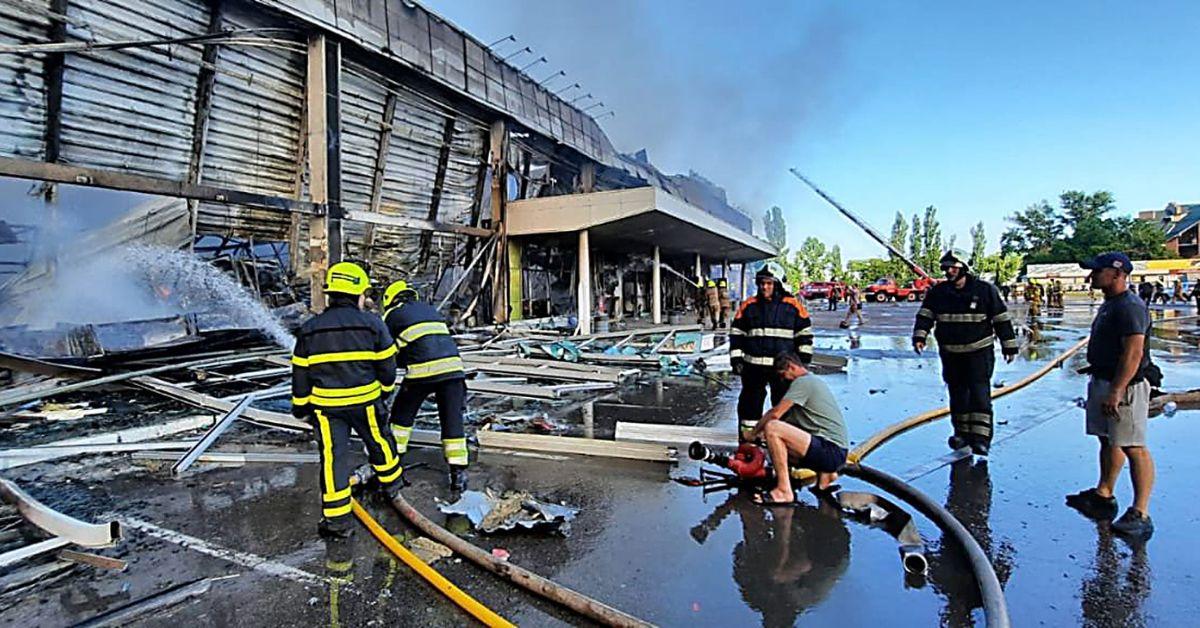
724 302
712 301
767 324
699 300
969 315
343 363
432 367
1035 294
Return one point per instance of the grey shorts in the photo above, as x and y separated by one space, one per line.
1128 427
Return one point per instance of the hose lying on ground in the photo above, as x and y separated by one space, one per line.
592 609
477 610
994 606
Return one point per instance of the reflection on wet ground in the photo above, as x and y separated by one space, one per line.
669 554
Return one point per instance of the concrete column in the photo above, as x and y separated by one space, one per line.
656 289
619 302
699 270
725 270
584 296
743 286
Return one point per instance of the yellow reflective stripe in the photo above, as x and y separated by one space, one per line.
336 495
1002 317
390 477
420 330
771 332
972 346
757 361
926 312
433 367
920 333
807 331
402 435
804 349
326 455
348 356
962 318
736 332
300 401
299 361
455 450
389 456
317 391
387 388
336 512
1010 344
454 444
735 353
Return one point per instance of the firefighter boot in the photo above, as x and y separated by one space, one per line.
458 478
956 442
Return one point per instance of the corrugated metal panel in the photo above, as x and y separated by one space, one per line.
131 110
363 102
253 140
22 93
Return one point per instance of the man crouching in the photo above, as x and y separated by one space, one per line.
805 429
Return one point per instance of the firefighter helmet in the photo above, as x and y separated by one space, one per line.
347 278
396 289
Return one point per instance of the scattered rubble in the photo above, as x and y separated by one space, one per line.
490 512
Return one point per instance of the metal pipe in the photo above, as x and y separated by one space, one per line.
58 524
210 436
567 89
129 613
583 97
557 74
994 606
532 63
523 50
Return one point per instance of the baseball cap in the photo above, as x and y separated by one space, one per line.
1114 259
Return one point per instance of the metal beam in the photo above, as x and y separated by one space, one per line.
93 177
205 82
52 70
439 181
210 437
58 524
416 223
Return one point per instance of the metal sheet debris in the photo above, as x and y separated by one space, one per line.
490 512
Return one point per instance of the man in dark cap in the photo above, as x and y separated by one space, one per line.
1118 401
969 315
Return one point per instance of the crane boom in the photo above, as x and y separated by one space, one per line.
854 218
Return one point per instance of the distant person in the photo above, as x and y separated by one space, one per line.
712 302
854 307
1146 291
966 315
1118 400
805 430
724 301
1177 293
832 298
1160 294
1194 295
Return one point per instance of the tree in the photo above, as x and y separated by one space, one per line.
833 262
915 242
1034 232
898 241
1078 207
866 271
978 243
1078 230
1003 267
775 228
812 260
931 240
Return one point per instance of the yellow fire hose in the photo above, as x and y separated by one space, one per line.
477 610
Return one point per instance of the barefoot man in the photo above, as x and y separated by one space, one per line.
805 429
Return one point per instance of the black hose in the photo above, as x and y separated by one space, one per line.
994 606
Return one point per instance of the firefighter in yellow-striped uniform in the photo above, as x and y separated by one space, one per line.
343 364
432 366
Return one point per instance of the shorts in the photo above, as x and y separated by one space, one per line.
1128 427
823 456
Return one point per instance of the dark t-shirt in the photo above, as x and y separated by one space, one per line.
1119 316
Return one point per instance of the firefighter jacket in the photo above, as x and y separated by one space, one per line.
711 295
426 350
764 328
966 320
344 358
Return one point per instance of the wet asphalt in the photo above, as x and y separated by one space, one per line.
667 552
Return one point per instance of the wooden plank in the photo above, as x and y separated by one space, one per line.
484 387
95 560
415 223
545 372
439 180
318 167
677 435
381 152
113 180
582 446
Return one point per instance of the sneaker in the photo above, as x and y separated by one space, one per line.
956 442
340 528
1134 524
1092 505
458 478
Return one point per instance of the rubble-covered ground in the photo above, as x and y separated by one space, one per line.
651 547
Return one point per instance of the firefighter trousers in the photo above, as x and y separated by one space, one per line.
451 398
756 380
333 427
968 378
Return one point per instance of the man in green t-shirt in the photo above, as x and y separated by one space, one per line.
805 429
